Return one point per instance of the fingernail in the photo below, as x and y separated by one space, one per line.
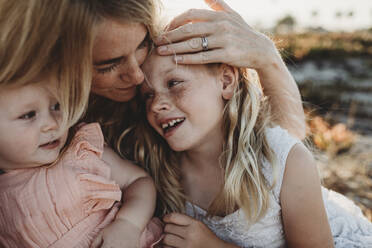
162 49
178 58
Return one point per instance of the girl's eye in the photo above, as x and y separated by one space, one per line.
107 69
172 83
28 115
56 107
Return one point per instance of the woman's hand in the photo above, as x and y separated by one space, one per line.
183 231
230 39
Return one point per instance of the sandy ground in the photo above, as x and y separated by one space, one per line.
350 173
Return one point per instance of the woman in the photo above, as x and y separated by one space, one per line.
124 29
123 32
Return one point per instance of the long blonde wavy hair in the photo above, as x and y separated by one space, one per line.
117 118
43 37
246 117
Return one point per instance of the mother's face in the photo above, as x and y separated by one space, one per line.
118 52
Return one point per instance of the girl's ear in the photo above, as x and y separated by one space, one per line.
229 77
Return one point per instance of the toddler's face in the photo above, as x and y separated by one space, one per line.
183 103
30 134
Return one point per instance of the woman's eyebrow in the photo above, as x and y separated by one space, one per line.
108 61
118 59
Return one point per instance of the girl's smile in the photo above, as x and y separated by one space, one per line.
169 125
184 104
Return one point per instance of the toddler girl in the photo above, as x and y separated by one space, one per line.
55 193
219 160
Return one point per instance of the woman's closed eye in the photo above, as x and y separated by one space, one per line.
107 69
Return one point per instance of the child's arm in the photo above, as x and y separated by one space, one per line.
304 216
139 198
139 193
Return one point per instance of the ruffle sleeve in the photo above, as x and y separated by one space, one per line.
97 190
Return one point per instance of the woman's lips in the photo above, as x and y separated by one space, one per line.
126 89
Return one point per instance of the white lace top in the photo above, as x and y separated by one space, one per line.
349 227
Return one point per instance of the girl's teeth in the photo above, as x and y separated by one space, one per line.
171 123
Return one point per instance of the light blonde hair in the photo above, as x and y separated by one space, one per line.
43 37
117 118
246 117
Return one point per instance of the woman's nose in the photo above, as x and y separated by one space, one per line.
133 73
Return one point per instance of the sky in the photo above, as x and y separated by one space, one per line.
265 13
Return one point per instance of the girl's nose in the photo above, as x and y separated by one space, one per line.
160 103
50 123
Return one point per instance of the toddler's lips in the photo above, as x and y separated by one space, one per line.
50 145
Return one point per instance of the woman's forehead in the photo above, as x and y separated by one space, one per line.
114 39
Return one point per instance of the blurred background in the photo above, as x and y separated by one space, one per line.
327 45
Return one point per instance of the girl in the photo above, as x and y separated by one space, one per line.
218 159
55 193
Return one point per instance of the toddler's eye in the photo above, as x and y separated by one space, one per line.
56 107
28 115
172 83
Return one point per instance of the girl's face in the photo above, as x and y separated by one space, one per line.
118 52
184 104
29 126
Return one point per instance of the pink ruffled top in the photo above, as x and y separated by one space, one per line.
64 205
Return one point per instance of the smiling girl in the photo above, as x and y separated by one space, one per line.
228 176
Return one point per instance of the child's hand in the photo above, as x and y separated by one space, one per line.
119 234
183 231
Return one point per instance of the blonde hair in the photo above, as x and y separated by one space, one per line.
246 117
43 37
137 11
117 118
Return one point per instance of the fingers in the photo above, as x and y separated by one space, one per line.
213 56
193 15
175 229
178 219
171 240
186 31
189 46
219 5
